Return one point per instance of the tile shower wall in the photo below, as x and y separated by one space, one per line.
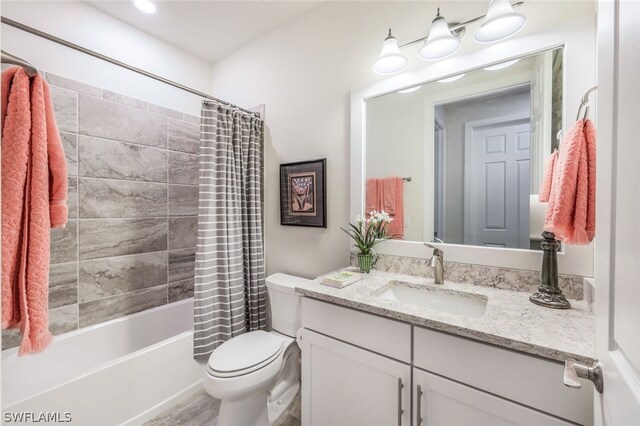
130 241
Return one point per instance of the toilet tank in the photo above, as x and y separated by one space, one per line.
286 317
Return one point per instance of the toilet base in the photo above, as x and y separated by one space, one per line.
247 412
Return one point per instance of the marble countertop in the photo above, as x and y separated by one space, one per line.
510 319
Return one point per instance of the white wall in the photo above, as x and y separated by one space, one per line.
82 24
304 73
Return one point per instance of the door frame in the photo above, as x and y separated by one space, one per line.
469 128
441 141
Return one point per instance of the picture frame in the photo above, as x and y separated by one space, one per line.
303 193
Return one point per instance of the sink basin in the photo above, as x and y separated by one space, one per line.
437 299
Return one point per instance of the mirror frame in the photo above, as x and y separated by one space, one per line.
573 260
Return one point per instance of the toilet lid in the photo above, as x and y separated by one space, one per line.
245 353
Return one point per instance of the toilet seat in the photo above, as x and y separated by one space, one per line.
245 354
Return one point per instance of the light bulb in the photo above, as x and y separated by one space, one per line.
440 43
390 60
501 22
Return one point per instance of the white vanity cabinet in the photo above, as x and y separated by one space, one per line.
444 402
363 369
347 385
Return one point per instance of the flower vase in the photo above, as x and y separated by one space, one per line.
365 262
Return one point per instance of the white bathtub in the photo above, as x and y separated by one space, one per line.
122 371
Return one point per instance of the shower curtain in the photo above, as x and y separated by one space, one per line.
229 289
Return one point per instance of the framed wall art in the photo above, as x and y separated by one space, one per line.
303 194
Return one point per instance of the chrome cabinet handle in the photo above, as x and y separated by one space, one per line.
419 406
400 410
574 370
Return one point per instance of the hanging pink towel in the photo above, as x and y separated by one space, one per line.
34 199
393 189
549 171
571 211
372 196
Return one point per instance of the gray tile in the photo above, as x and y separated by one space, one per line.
287 419
183 136
166 111
72 197
63 284
192 119
112 120
117 97
180 290
64 243
183 232
116 160
102 278
183 200
56 80
121 198
98 311
196 410
10 338
118 237
63 320
65 106
181 264
183 168
70 146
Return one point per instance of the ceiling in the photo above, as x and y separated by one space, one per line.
207 29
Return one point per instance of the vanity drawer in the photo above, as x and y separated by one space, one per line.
527 379
382 335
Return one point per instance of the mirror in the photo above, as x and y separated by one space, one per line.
467 152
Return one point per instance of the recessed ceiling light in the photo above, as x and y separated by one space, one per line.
450 79
145 6
410 89
501 65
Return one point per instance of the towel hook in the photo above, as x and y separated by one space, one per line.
584 103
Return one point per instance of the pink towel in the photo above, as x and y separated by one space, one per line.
34 198
571 211
372 199
549 172
389 194
392 195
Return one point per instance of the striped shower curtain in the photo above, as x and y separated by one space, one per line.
229 290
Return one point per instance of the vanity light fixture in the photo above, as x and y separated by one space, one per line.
444 39
501 22
391 60
501 65
440 42
450 79
145 6
410 89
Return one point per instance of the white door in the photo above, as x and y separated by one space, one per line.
443 402
618 213
346 385
497 184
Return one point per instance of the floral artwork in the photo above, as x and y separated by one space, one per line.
303 194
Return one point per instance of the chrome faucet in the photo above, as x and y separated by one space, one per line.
437 263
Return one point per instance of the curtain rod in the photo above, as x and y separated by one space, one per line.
105 58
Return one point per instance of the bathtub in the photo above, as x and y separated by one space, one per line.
124 371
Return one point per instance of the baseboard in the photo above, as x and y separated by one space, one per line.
164 405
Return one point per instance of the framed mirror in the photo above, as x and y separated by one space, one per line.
469 137
470 150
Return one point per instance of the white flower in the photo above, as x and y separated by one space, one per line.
358 219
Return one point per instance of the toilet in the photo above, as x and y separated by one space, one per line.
257 374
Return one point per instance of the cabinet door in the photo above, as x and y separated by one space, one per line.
345 385
443 402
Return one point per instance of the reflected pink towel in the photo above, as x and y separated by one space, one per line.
34 199
372 198
571 211
389 195
549 172
393 190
